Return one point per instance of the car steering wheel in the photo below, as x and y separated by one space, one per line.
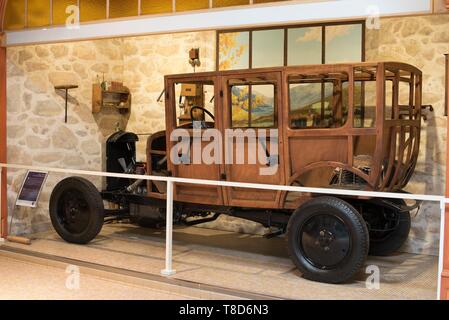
203 123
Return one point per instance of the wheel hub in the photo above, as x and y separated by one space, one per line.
325 241
74 212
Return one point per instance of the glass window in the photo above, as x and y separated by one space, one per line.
228 3
38 13
59 10
344 43
262 106
156 6
268 48
305 46
317 103
120 8
195 99
240 106
15 14
253 106
187 5
91 10
233 50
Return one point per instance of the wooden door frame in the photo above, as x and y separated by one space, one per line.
276 74
171 124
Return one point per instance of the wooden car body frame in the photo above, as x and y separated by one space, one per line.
362 134
392 141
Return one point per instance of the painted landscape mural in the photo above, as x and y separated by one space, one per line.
233 50
306 105
253 106
256 111
305 46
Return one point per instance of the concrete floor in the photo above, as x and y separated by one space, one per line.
227 262
24 280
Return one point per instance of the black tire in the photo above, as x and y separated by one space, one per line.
328 240
76 210
386 244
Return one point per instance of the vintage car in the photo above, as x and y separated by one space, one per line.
341 126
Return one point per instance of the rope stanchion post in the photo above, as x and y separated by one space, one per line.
168 271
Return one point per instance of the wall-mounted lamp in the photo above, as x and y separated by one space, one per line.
194 58
66 89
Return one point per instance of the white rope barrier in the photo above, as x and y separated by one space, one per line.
169 271
339 192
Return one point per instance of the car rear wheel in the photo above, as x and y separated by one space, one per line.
389 229
76 210
328 240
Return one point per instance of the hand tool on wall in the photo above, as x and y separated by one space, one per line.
66 88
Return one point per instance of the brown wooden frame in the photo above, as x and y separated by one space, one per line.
396 140
3 142
171 124
286 28
263 196
3 128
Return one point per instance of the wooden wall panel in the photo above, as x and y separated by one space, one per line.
3 209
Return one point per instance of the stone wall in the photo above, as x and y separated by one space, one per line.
146 61
38 136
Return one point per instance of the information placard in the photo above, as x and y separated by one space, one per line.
31 189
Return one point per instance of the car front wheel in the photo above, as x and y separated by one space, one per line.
76 210
328 240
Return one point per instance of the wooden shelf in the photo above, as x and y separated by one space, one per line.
118 98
